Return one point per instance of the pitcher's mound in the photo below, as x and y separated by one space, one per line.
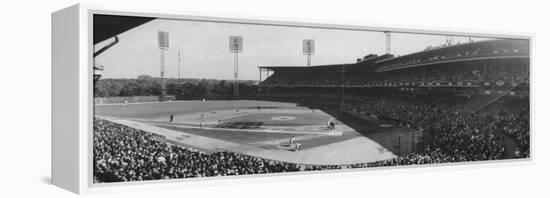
283 118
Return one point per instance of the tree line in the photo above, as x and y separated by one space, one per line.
183 89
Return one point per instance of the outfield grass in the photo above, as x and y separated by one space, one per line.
152 110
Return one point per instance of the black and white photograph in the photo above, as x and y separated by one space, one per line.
176 99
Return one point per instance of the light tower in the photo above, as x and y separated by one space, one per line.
179 74
236 47
163 42
308 49
449 40
388 42
179 65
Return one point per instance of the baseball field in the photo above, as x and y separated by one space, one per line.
274 130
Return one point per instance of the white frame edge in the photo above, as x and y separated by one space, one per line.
65 118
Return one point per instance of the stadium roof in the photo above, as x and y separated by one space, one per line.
333 67
481 50
299 68
489 43
108 26
514 48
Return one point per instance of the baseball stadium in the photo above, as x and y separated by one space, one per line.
455 102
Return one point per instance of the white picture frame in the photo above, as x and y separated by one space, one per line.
72 103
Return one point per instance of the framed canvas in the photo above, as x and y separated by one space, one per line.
151 98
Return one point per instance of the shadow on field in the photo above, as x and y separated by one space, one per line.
387 137
240 125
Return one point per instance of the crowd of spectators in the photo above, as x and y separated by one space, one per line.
303 79
512 116
455 135
502 75
507 73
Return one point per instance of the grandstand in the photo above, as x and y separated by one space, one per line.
493 68
476 90
475 64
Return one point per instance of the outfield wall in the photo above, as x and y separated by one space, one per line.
129 99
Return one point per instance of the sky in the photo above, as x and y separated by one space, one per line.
204 48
